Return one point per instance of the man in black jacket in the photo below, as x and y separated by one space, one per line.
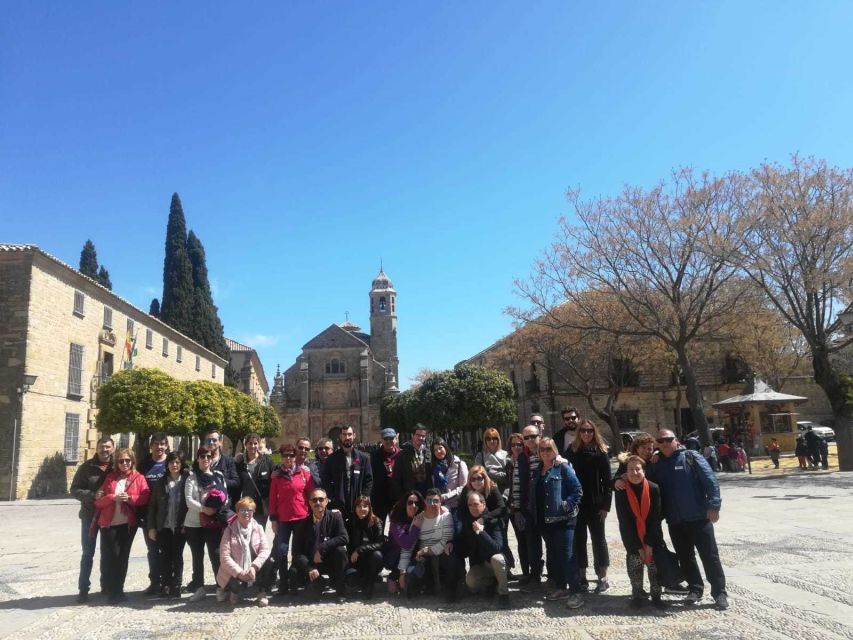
413 467
383 460
481 541
347 474
564 437
225 465
319 546
153 467
86 483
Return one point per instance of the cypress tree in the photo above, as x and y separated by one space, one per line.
207 326
104 278
89 260
154 309
176 308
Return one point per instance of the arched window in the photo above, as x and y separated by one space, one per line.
382 304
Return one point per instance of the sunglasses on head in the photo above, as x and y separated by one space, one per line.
531 437
666 439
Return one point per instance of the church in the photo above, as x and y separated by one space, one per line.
342 375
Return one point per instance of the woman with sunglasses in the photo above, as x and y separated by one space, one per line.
449 474
124 491
493 458
166 525
556 497
516 516
588 456
200 523
245 558
496 509
642 445
289 491
402 535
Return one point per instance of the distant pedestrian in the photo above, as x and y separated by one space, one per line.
824 454
801 451
723 456
773 449
813 445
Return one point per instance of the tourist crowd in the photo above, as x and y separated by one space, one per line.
417 511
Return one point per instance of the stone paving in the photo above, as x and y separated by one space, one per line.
786 540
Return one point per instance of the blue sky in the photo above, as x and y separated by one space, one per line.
310 139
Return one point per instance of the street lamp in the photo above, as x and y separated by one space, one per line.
29 380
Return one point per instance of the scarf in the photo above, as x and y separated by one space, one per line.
641 512
244 535
439 474
286 473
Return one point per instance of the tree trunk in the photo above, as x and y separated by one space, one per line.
694 396
836 391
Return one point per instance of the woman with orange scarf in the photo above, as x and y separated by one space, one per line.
639 511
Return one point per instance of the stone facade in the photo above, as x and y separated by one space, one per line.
342 375
247 364
650 404
70 332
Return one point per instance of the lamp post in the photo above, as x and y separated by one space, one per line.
29 380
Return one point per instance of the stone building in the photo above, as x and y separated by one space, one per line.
342 374
247 364
652 399
71 333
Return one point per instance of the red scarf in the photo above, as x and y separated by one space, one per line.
641 512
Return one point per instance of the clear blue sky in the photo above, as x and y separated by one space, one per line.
309 139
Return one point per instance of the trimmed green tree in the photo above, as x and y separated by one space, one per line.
144 401
154 308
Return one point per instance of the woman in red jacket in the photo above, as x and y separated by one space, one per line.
291 485
124 491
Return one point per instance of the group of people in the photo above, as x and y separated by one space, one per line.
811 450
418 511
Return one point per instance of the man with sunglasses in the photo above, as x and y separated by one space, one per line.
224 464
322 451
690 497
565 436
383 460
320 547
528 467
538 421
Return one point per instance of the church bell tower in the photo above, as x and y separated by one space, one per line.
383 323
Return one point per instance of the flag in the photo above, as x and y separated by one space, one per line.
130 346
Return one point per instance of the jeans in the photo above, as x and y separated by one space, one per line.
698 534
280 547
521 539
115 551
534 545
153 554
589 519
171 545
198 538
558 544
87 556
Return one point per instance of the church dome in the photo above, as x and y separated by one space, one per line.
382 281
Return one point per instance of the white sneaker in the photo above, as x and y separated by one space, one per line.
262 599
198 596
221 594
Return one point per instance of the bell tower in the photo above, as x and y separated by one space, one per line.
383 322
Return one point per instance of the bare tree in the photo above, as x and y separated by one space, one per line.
799 237
665 255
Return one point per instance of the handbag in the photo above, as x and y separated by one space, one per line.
666 561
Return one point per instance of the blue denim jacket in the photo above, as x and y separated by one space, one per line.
563 494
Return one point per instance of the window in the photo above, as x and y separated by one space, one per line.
79 303
72 436
198 363
179 353
166 347
628 420
336 366
735 370
213 371
108 318
623 374
106 367
393 305
75 371
149 339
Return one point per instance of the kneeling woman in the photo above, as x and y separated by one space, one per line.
557 495
123 492
364 547
244 557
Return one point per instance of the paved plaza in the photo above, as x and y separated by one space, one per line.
786 542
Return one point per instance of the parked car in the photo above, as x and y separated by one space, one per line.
827 433
717 434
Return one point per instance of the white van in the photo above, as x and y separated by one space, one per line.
824 432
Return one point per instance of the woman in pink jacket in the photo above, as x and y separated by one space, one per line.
124 491
289 491
244 557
